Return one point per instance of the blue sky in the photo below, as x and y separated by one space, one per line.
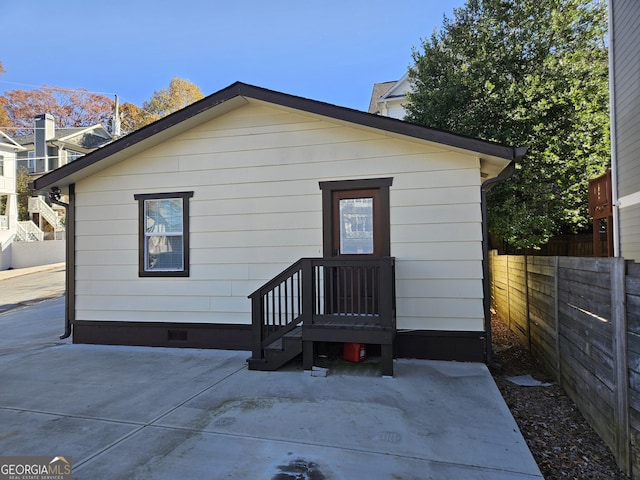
327 50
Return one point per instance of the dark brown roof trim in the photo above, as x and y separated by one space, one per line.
312 106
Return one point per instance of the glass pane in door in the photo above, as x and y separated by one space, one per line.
356 226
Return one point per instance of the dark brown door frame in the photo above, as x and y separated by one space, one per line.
382 185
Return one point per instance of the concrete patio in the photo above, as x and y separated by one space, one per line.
156 413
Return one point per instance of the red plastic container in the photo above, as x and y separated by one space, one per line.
354 352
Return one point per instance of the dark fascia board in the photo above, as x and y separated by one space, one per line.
66 174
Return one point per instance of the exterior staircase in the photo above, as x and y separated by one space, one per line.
324 300
28 231
42 208
279 352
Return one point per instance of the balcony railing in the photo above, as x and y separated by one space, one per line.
28 232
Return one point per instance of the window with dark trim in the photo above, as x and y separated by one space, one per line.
163 234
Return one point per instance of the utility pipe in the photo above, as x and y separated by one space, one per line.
54 196
507 173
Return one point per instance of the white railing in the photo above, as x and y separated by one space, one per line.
38 205
4 222
29 232
6 242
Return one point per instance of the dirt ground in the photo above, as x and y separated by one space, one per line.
561 441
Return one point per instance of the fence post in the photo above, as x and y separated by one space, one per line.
556 316
308 300
257 319
526 299
619 323
508 294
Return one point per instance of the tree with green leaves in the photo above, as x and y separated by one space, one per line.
525 73
23 192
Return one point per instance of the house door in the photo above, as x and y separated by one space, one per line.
356 226
355 222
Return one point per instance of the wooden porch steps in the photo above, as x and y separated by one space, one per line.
329 299
279 352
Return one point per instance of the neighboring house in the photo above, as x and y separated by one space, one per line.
45 150
49 147
172 227
389 98
8 199
624 53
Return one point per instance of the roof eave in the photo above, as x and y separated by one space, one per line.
390 93
237 94
10 142
91 128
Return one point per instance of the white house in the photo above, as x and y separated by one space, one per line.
43 151
172 227
389 98
8 197
49 147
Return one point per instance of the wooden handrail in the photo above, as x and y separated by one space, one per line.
276 308
316 289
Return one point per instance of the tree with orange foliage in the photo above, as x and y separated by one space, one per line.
4 118
78 107
178 95
70 108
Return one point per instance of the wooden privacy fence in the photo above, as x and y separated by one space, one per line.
581 318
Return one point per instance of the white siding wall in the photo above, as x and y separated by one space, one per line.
393 108
257 208
627 85
10 210
630 232
8 179
626 82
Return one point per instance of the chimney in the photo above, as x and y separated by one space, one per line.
44 130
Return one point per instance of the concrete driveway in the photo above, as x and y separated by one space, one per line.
156 413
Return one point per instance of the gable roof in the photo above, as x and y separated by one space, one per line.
239 94
389 91
7 142
398 89
379 89
86 138
67 134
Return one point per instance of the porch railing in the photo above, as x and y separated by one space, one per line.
39 206
343 292
27 231
349 290
276 307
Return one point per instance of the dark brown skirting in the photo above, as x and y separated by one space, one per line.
177 335
439 345
430 345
